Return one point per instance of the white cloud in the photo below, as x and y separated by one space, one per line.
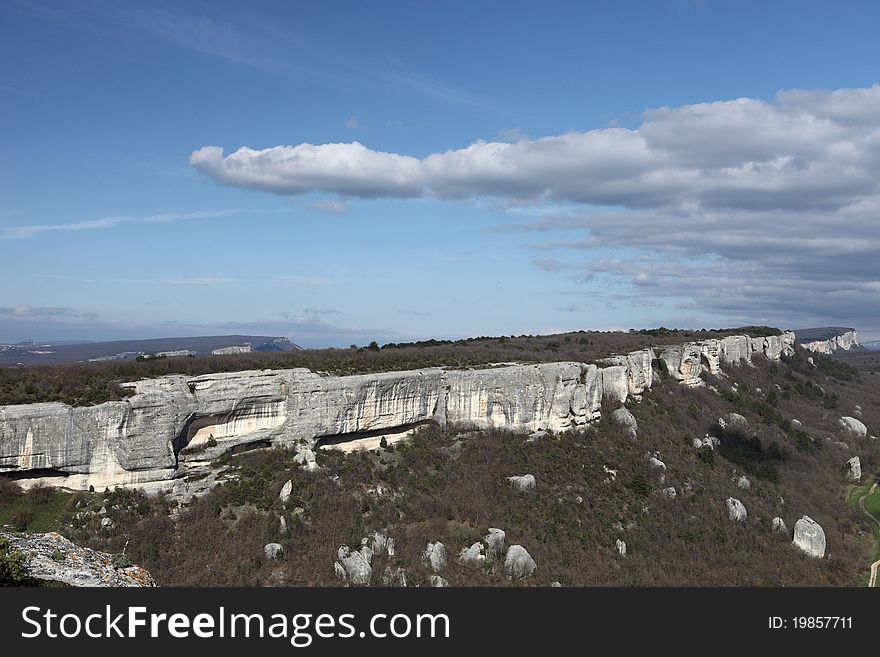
743 210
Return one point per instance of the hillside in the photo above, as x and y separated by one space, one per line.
593 486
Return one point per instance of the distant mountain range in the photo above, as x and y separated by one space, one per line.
46 353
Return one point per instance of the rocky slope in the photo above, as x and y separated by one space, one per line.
176 423
51 557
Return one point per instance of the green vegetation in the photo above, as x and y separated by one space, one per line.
38 510
12 572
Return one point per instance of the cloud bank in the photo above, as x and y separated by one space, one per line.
749 210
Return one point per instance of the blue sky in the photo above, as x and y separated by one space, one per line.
498 168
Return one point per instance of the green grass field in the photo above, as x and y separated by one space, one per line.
45 516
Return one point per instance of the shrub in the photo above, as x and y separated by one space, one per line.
9 491
12 572
40 494
21 519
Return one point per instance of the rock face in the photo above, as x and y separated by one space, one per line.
736 510
809 537
522 483
854 469
176 425
52 557
853 426
518 563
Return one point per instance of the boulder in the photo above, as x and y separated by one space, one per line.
286 490
495 541
656 463
778 526
734 421
438 582
473 556
743 483
620 546
625 419
379 544
668 493
518 563
522 483
736 510
853 426
854 469
106 523
435 556
809 537
353 567
857 410
273 550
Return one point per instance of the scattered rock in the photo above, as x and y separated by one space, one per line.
733 420
612 474
743 483
495 541
697 443
474 556
103 511
795 423
438 582
854 469
625 419
286 490
853 426
620 546
668 493
778 526
809 537
518 563
379 544
282 526
736 510
656 463
555 585
305 456
857 410
354 568
106 523
273 550
435 556
522 483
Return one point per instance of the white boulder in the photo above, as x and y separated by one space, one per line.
435 556
522 483
736 510
518 563
853 426
809 537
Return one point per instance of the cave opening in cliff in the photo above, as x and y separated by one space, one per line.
366 440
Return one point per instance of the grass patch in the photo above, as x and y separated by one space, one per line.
41 517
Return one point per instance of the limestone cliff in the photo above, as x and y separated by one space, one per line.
174 423
827 340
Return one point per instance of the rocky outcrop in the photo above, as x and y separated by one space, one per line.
435 556
778 526
809 537
176 425
354 568
52 557
828 340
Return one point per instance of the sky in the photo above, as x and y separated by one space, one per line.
341 172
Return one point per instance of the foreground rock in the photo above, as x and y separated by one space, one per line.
809 537
52 557
518 563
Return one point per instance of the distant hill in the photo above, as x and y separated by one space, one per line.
46 353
